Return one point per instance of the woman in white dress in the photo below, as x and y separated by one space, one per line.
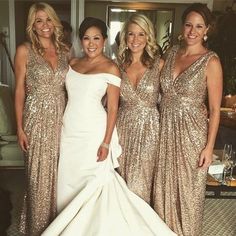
93 200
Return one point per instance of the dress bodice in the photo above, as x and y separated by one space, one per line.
41 79
147 91
85 91
189 87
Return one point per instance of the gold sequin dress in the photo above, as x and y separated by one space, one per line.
43 111
138 128
179 185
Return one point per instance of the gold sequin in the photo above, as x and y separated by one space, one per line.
138 127
43 111
179 185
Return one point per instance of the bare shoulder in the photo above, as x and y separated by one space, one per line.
21 55
214 64
214 69
214 60
74 61
22 50
111 68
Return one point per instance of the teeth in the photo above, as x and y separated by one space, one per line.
45 30
91 49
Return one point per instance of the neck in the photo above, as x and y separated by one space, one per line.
47 43
136 57
192 49
92 60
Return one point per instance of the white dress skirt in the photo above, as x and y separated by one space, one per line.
93 199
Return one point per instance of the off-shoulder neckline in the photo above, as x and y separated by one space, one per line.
89 74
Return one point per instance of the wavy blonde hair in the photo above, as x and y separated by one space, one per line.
58 29
151 49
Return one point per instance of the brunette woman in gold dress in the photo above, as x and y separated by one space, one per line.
138 116
40 67
187 137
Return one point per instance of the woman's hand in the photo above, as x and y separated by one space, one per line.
205 158
23 141
102 153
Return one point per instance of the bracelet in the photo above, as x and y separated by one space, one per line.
105 145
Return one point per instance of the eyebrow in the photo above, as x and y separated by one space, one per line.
191 23
93 35
137 32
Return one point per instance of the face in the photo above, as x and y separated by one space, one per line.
43 25
194 29
136 38
93 42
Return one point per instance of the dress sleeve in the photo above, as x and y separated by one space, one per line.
114 80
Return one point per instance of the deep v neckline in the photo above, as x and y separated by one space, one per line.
186 69
139 82
53 69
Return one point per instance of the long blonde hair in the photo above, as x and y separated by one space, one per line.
151 49
57 34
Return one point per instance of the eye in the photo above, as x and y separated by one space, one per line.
142 34
38 20
85 38
187 25
96 38
49 19
199 26
130 34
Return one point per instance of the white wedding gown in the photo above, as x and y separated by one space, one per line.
93 200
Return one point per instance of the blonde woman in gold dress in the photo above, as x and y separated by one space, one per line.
138 116
40 69
187 137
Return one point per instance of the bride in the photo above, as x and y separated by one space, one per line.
93 200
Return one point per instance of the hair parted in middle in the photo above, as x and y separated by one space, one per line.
57 34
151 50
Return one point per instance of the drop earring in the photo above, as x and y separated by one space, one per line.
180 37
205 38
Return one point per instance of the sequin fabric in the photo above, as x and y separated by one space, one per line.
179 185
138 127
43 111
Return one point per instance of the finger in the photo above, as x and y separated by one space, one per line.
26 143
201 161
207 164
22 145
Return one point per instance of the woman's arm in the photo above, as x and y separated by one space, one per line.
20 72
214 87
113 93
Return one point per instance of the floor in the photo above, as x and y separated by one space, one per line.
219 215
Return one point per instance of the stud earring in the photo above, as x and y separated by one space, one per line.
126 47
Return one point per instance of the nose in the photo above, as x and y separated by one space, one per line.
45 23
192 30
136 37
90 42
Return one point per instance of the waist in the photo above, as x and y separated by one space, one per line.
137 105
178 101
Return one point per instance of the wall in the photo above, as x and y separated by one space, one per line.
101 8
4 27
221 5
